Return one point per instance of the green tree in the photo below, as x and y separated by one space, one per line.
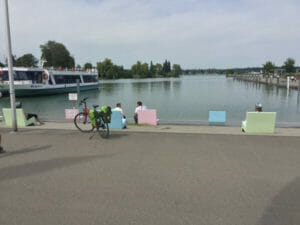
268 67
176 70
142 70
166 67
88 66
152 69
78 66
56 55
136 68
289 65
229 71
27 60
158 69
1 64
105 69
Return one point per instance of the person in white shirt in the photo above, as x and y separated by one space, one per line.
140 106
119 108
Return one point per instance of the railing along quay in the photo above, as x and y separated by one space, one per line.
276 81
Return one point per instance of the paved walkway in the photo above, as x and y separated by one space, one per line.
51 176
198 129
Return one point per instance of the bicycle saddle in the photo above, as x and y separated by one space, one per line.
95 106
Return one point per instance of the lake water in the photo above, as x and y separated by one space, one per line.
178 100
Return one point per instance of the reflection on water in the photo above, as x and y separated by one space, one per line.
186 99
167 85
110 88
176 85
140 86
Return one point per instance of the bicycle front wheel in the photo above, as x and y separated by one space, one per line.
83 122
103 129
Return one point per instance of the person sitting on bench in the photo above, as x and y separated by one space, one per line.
258 107
140 106
29 115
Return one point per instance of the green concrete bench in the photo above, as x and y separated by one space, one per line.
21 120
259 122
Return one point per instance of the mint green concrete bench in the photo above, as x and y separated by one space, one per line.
21 120
259 122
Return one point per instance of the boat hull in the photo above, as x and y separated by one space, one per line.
21 91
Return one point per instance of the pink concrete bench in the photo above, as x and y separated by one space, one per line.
147 116
70 114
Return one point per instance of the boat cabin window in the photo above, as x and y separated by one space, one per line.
89 78
34 76
66 79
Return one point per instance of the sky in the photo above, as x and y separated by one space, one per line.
192 33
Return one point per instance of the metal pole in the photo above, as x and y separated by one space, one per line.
287 82
10 68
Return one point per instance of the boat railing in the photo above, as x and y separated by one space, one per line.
93 70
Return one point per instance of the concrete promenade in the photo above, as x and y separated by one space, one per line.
168 175
279 82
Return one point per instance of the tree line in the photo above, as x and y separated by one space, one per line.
107 70
288 67
269 68
56 55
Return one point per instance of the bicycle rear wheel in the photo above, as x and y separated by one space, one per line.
83 122
103 129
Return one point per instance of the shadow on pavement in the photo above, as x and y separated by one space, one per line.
285 207
26 150
111 136
117 135
33 168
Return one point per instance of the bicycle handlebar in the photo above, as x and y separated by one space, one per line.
83 100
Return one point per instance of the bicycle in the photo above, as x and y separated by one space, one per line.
85 123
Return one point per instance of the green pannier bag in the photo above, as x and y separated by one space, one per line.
94 115
106 110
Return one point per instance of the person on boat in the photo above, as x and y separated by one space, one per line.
140 106
119 108
258 107
29 115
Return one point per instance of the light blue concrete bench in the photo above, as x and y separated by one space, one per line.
217 117
117 121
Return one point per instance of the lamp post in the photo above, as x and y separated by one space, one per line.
10 67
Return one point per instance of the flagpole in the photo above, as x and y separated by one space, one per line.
10 68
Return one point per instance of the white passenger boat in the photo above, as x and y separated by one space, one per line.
37 81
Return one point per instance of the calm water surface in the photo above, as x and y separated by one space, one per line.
179 100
